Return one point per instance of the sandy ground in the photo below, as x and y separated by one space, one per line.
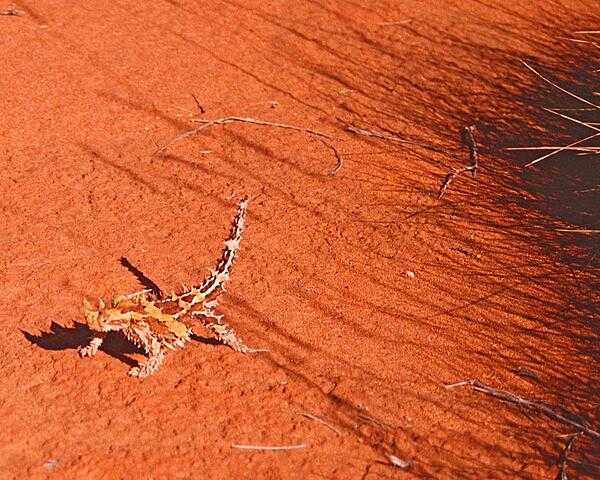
91 89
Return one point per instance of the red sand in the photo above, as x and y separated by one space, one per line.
89 89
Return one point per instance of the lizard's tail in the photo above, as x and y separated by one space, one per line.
220 274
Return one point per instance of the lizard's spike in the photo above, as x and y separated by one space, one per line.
101 304
221 272
212 304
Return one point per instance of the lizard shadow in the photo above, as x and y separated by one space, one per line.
141 277
71 338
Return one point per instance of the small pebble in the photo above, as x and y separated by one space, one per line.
51 464
398 462
410 274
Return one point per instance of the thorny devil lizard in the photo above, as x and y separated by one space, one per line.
153 321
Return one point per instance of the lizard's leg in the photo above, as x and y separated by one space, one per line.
142 336
92 348
224 333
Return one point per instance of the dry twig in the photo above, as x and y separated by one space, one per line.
374 421
321 421
467 139
555 147
389 24
204 124
567 117
583 231
525 372
269 447
577 40
559 87
571 146
529 404
198 104
338 156
560 149
564 458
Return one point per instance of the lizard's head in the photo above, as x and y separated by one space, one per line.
102 319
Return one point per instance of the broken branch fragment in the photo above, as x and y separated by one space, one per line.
529 404
204 124
468 139
564 458
269 447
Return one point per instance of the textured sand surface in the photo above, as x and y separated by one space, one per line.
91 89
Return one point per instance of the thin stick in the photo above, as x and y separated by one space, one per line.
564 458
559 87
588 31
571 149
561 149
577 40
530 404
374 420
337 154
467 139
321 421
269 447
232 119
577 230
450 176
586 109
568 435
562 115
525 372
198 105
389 24
449 386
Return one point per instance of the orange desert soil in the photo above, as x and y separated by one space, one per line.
91 89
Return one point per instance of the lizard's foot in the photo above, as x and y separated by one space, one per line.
136 372
141 371
91 349
226 335
239 346
146 369
88 351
